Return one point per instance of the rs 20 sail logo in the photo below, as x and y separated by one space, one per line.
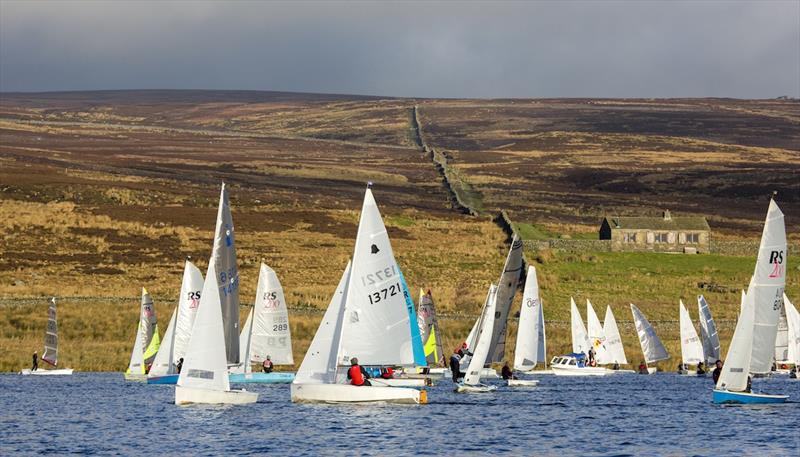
776 260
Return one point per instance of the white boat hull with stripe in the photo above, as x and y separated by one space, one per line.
345 393
523 382
43 372
192 395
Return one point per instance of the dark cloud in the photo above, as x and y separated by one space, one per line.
425 49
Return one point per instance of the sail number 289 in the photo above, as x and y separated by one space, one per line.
384 293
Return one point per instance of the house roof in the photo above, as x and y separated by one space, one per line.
658 223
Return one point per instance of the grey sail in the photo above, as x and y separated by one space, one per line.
223 255
51 336
148 326
652 347
506 289
708 332
428 324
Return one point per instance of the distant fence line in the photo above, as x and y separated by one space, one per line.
743 248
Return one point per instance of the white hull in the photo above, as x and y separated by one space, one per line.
523 382
480 388
189 395
346 393
624 371
572 370
652 370
486 373
136 377
401 382
43 372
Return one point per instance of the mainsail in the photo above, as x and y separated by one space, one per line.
530 333
652 347
506 289
691 348
580 340
737 363
271 334
223 256
782 339
164 362
147 342
51 336
376 325
793 323
613 340
479 356
188 303
319 364
429 328
766 289
596 335
416 339
708 331
205 363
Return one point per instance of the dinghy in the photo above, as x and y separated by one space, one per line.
613 342
164 369
50 354
753 344
597 337
708 332
214 341
691 347
472 338
652 348
506 289
429 330
368 319
146 343
265 334
531 346
472 379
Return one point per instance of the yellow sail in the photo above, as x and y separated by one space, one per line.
152 349
430 345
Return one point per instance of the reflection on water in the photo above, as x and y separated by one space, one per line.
616 415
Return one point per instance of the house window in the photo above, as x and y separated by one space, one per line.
692 238
661 238
629 237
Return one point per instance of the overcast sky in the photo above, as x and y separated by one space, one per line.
418 49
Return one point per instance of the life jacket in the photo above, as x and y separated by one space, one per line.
388 373
356 377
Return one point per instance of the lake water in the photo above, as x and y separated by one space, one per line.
665 414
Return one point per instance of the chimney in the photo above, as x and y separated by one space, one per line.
667 216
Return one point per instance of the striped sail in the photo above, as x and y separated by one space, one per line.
429 329
708 331
652 347
506 289
51 336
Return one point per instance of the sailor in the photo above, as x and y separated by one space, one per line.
357 375
455 365
616 366
267 366
180 364
717 371
642 368
793 372
591 357
700 368
387 373
35 365
749 387
507 373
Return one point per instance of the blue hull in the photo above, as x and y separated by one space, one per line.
262 378
166 379
724 396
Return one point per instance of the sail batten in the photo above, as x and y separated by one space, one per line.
50 354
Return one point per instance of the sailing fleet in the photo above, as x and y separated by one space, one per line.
371 319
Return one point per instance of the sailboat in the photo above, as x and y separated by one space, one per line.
580 338
652 348
793 322
266 333
782 343
691 347
613 342
367 318
429 332
176 338
531 341
50 354
147 341
753 346
576 363
506 289
214 342
708 332
472 379
596 335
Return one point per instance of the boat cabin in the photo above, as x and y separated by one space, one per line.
575 360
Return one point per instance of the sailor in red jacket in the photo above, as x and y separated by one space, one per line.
357 375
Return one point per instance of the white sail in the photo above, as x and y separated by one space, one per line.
377 324
188 302
506 289
766 288
530 333
481 352
50 354
541 353
782 339
223 256
319 364
793 323
596 335
164 363
136 364
708 332
737 363
691 348
473 333
652 347
205 365
271 334
580 340
145 332
245 341
613 339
